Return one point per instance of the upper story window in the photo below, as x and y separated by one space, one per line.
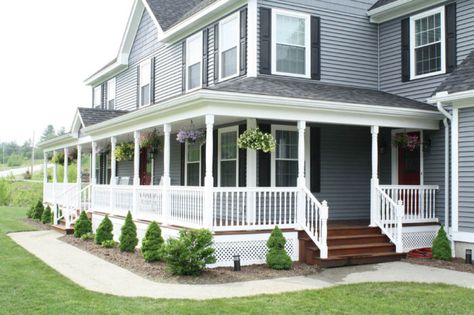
98 96
291 49
145 83
194 61
427 43
229 33
111 93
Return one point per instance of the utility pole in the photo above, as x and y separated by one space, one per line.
32 154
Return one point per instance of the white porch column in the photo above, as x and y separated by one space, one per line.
455 171
45 168
301 172
93 163
374 182
209 178
166 155
79 165
55 170
251 174
113 163
136 170
66 153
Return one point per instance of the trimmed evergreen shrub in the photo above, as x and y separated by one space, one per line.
152 243
128 237
38 213
87 237
46 217
441 246
277 258
31 212
109 244
83 225
190 253
104 231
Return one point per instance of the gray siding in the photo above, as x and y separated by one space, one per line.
466 170
348 40
390 55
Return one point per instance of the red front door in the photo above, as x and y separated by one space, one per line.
409 164
145 176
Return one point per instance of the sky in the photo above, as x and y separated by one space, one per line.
48 48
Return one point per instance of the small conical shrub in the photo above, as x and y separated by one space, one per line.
104 231
83 225
441 246
277 258
152 243
128 237
38 213
30 213
46 217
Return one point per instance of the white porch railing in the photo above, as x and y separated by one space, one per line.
419 201
186 206
315 223
149 203
389 218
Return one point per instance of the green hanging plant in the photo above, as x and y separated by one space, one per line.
150 140
124 151
255 139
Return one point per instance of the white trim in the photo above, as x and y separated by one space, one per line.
144 65
273 154
111 83
395 155
455 170
307 45
251 158
413 19
219 152
399 8
463 237
186 162
235 16
97 90
252 38
197 36
456 98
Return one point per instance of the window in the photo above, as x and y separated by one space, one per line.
291 51
193 164
194 61
285 157
228 157
98 96
111 94
427 44
145 80
229 38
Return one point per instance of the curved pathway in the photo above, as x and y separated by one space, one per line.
96 274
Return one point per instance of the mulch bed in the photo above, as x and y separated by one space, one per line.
456 264
157 271
37 225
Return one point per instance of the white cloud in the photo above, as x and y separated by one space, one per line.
47 50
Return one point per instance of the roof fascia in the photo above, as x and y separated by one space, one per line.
460 99
399 8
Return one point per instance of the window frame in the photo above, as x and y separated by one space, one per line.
441 10
199 37
144 65
111 83
307 18
233 16
95 98
186 162
273 154
219 154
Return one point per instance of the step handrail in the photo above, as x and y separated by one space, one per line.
389 218
315 220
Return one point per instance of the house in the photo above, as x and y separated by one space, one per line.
362 167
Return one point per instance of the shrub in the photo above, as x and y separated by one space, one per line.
38 213
104 231
31 212
15 160
109 244
277 258
83 225
190 253
87 237
152 243
128 237
441 246
46 217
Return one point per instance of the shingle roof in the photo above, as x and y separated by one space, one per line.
92 116
461 79
381 3
314 90
170 12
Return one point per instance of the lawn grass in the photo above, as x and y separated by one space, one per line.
28 286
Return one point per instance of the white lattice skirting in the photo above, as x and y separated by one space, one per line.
418 237
252 248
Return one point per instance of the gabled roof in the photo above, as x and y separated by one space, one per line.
381 3
313 90
461 79
170 12
92 116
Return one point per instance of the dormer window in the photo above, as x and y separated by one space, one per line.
291 51
97 102
194 61
111 94
427 38
145 83
229 33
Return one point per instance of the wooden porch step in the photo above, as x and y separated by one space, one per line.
61 228
362 259
356 239
352 230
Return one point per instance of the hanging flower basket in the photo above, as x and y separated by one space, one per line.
124 152
197 136
255 139
151 141
57 158
406 141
